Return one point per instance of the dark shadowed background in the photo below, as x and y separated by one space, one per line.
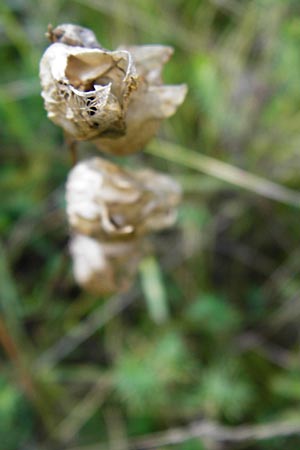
209 333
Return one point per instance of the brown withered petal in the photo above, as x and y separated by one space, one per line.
149 60
86 91
108 202
148 107
104 268
149 104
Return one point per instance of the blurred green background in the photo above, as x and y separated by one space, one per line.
210 331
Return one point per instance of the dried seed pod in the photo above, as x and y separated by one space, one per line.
104 268
86 91
115 98
149 104
108 202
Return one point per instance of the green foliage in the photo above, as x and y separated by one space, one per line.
193 444
16 417
211 329
148 372
288 386
225 391
213 315
154 290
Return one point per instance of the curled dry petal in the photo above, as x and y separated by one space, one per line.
104 200
149 104
104 268
148 107
86 90
149 60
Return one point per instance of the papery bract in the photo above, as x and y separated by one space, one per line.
108 201
149 104
115 98
86 91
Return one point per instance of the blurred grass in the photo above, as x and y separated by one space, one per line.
211 329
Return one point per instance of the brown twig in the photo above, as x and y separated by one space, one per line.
7 342
72 146
23 373
13 354
86 328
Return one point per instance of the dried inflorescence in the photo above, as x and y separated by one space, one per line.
117 100
109 210
109 202
113 97
86 91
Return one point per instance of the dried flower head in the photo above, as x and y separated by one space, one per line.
116 98
104 200
86 90
104 268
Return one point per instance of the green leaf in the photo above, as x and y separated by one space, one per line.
213 314
154 290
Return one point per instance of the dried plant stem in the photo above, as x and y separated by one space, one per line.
206 430
218 433
79 415
7 343
224 171
10 347
95 321
72 146
24 375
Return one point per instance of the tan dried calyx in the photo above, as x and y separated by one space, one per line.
115 98
108 202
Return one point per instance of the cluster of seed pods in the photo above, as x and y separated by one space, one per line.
116 100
